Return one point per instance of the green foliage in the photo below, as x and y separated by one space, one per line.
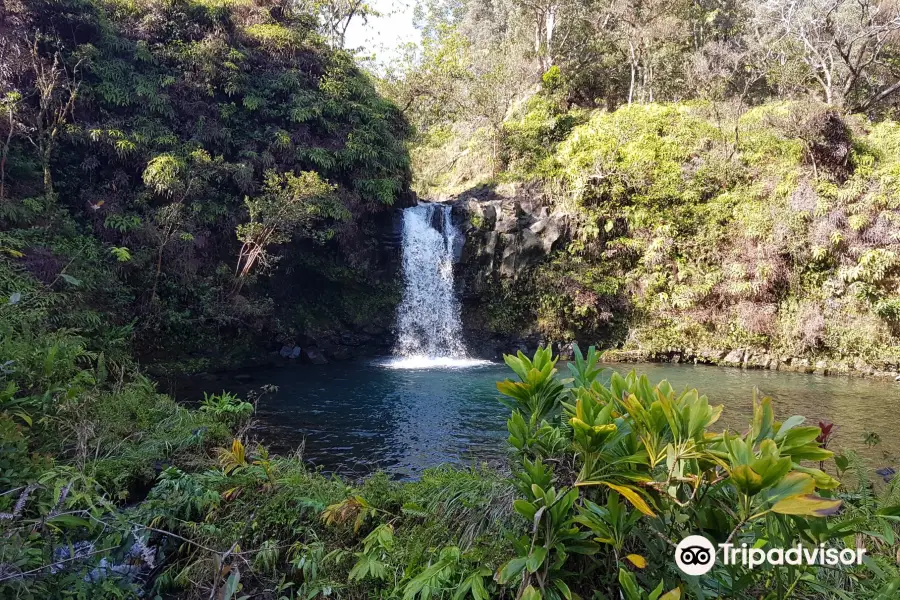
275 37
533 132
635 156
650 470
288 204
693 228
537 395
607 477
206 120
80 431
226 407
147 141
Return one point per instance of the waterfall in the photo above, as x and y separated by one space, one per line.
428 321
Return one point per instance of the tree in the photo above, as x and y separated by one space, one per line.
494 89
288 204
9 105
543 15
172 177
117 141
729 72
451 79
647 29
14 63
336 15
428 83
56 89
843 43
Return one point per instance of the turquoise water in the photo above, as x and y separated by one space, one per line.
357 417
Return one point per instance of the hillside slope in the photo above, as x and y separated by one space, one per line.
184 173
693 233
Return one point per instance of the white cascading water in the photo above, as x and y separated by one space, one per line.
428 323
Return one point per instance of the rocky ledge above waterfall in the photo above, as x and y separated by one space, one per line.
508 231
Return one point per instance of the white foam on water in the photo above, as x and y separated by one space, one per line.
434 362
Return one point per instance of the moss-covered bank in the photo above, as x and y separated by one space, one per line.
694 231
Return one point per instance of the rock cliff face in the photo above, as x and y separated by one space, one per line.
508 231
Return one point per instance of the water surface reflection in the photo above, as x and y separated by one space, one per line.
357 417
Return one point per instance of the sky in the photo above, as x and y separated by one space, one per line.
383 36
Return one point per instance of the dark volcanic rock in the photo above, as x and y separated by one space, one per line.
508 232
313 355
504 236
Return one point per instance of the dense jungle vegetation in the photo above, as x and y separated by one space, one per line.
184 180
157 153
728 168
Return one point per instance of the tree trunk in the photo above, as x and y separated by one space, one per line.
159 259
633 73
3 157
251 259
48 179
549 27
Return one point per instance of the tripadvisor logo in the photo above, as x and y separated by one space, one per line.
696 555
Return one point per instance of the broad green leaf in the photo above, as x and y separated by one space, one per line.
68 521
793 484
823 480
232 585
841 462
536 558
763 420
525 508
530 593
628 585
24 416
789 424
582 547
563 588
746 480
511 569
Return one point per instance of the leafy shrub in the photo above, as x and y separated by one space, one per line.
146 191
530 136
613 476
226 407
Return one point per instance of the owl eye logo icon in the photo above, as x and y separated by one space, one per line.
695 555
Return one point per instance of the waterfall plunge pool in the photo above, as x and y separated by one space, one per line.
433 404
357 417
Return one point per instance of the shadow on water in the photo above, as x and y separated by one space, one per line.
358 417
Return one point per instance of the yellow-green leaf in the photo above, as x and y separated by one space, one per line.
531 593
807 505
823 480
627 492
746 479
637 560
